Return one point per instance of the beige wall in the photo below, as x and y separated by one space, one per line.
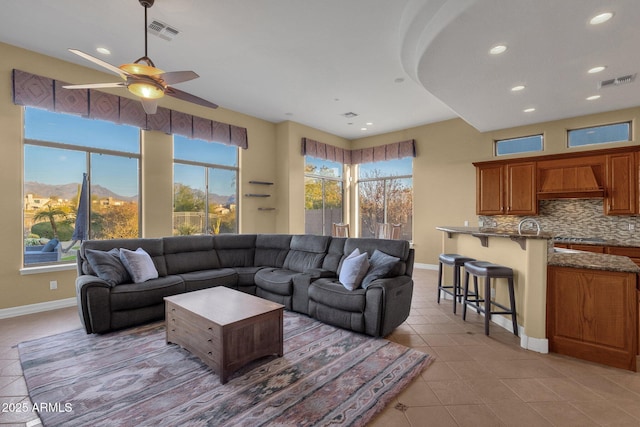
444 178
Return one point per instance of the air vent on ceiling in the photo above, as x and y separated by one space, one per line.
350 115
162 30
617 81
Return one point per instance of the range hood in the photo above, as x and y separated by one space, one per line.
571 182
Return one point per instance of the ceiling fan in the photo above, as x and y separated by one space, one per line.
143 79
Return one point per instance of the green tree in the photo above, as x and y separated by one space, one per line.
51 214
187 199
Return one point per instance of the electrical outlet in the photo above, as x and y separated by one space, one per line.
632 227
466 223
53 285
493 293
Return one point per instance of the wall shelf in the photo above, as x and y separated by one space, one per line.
266 209
261 182
257 195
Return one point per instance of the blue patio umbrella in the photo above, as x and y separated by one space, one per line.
81 230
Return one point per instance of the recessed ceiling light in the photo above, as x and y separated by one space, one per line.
529 110
497 49
369 124
599 19
363 128
593 97
399 80
597 69
517 88
103 50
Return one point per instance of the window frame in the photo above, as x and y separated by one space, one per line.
496 143
206 167
629 124
323 179
88 152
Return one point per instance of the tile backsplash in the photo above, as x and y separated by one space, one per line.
575 218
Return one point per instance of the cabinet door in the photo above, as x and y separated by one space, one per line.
588 248
489 190
521 189
621 184
592 315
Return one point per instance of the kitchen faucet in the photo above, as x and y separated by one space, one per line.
531 220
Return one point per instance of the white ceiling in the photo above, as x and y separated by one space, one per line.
312 61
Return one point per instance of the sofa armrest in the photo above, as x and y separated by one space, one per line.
93 303
388 304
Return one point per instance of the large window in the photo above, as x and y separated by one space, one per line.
205 180
322 195
385 196
59 149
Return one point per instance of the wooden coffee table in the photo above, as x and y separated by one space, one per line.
225 328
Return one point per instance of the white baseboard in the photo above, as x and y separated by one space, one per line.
6 313
425 266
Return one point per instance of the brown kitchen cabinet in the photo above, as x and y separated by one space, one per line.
593 315
506 189
621 184
630 252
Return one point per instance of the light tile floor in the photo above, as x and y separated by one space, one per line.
475 380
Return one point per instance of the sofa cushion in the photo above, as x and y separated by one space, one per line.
247 275
354 268
184 254
306 252
50 245
330 292
335 253
276 280
139 265
381 265
197 280
135 295
108 266
271 249
235 250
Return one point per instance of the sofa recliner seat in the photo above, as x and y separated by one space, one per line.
298 271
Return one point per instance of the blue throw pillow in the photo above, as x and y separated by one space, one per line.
138 264
354 268
107 266
50 246
381 265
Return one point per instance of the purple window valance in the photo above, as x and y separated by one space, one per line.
396 150
42 92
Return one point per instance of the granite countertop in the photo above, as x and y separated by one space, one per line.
494 232
593 261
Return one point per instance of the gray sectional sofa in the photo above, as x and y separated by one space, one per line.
299 271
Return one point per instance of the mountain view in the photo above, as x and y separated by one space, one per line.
69 191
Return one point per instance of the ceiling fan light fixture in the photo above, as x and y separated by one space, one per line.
147 90
140 69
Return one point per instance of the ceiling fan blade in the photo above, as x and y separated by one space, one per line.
176 93
95 85
100 62
150 105
173 77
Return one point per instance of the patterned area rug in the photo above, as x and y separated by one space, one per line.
327 376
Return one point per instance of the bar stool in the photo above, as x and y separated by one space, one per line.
488 271
455 289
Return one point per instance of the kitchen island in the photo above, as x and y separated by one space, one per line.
526 254
576 303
